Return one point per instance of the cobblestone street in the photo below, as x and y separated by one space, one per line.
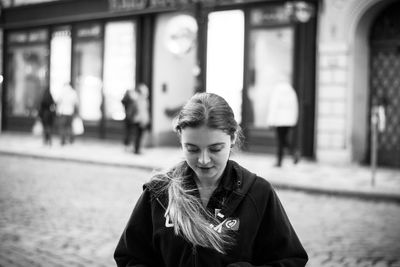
56 213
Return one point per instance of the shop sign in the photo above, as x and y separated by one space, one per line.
23 37
296 11
117 5
124 5
89 31
120 5
270 16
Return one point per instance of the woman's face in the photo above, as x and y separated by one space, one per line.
206 151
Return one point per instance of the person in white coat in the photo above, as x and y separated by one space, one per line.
67 107
283 113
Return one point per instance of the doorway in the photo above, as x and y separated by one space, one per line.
385 82
174 71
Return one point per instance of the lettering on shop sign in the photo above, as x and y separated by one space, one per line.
116 5
124 5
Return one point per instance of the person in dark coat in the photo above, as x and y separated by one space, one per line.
47 114
208 210
131 110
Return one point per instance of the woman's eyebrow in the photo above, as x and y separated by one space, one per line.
215 144
189 144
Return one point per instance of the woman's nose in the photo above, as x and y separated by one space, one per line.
204 158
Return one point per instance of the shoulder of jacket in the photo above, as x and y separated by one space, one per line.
260 194
257 187
261 188
156 183
250 179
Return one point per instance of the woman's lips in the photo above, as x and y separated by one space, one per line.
204 168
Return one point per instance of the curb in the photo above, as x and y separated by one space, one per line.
78 160
362 195
370 196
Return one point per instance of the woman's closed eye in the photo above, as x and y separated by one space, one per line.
216 148
212 148
192 149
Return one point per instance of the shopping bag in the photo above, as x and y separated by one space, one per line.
77 126
37 128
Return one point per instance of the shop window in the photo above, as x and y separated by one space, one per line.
225 52
87 70
60 59
270 62
119 65
26 71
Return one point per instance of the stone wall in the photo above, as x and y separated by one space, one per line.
343 79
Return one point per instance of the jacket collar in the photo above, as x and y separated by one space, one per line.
244 180
229 179
232 178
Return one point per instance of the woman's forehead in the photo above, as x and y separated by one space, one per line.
203 135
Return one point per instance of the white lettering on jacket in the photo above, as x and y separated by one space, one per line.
168 222
229 223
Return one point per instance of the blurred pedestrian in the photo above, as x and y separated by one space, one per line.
131 109
142 117
47 114
67 107
283 116
137 117
208 210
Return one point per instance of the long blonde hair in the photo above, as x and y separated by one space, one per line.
185 210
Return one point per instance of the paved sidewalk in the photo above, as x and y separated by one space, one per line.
348 180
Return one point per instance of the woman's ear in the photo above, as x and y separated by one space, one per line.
233 140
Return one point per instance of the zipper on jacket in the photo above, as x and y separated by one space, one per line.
194 253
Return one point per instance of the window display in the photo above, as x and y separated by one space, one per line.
119 65
87 68
26 71
270 62
60 59
225 52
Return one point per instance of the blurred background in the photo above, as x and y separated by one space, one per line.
342 57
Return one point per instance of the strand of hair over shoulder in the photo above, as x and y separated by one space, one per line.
188 216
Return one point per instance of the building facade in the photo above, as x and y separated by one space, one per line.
358 68
341 56
237 49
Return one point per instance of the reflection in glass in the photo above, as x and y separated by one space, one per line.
17 37
26 72
225 52
173 79
119 65
270 61
60 59
87 73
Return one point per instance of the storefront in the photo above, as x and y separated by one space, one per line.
234 48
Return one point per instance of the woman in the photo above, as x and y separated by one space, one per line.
130 105
208 210
47 114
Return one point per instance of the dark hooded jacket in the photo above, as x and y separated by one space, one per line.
248 207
